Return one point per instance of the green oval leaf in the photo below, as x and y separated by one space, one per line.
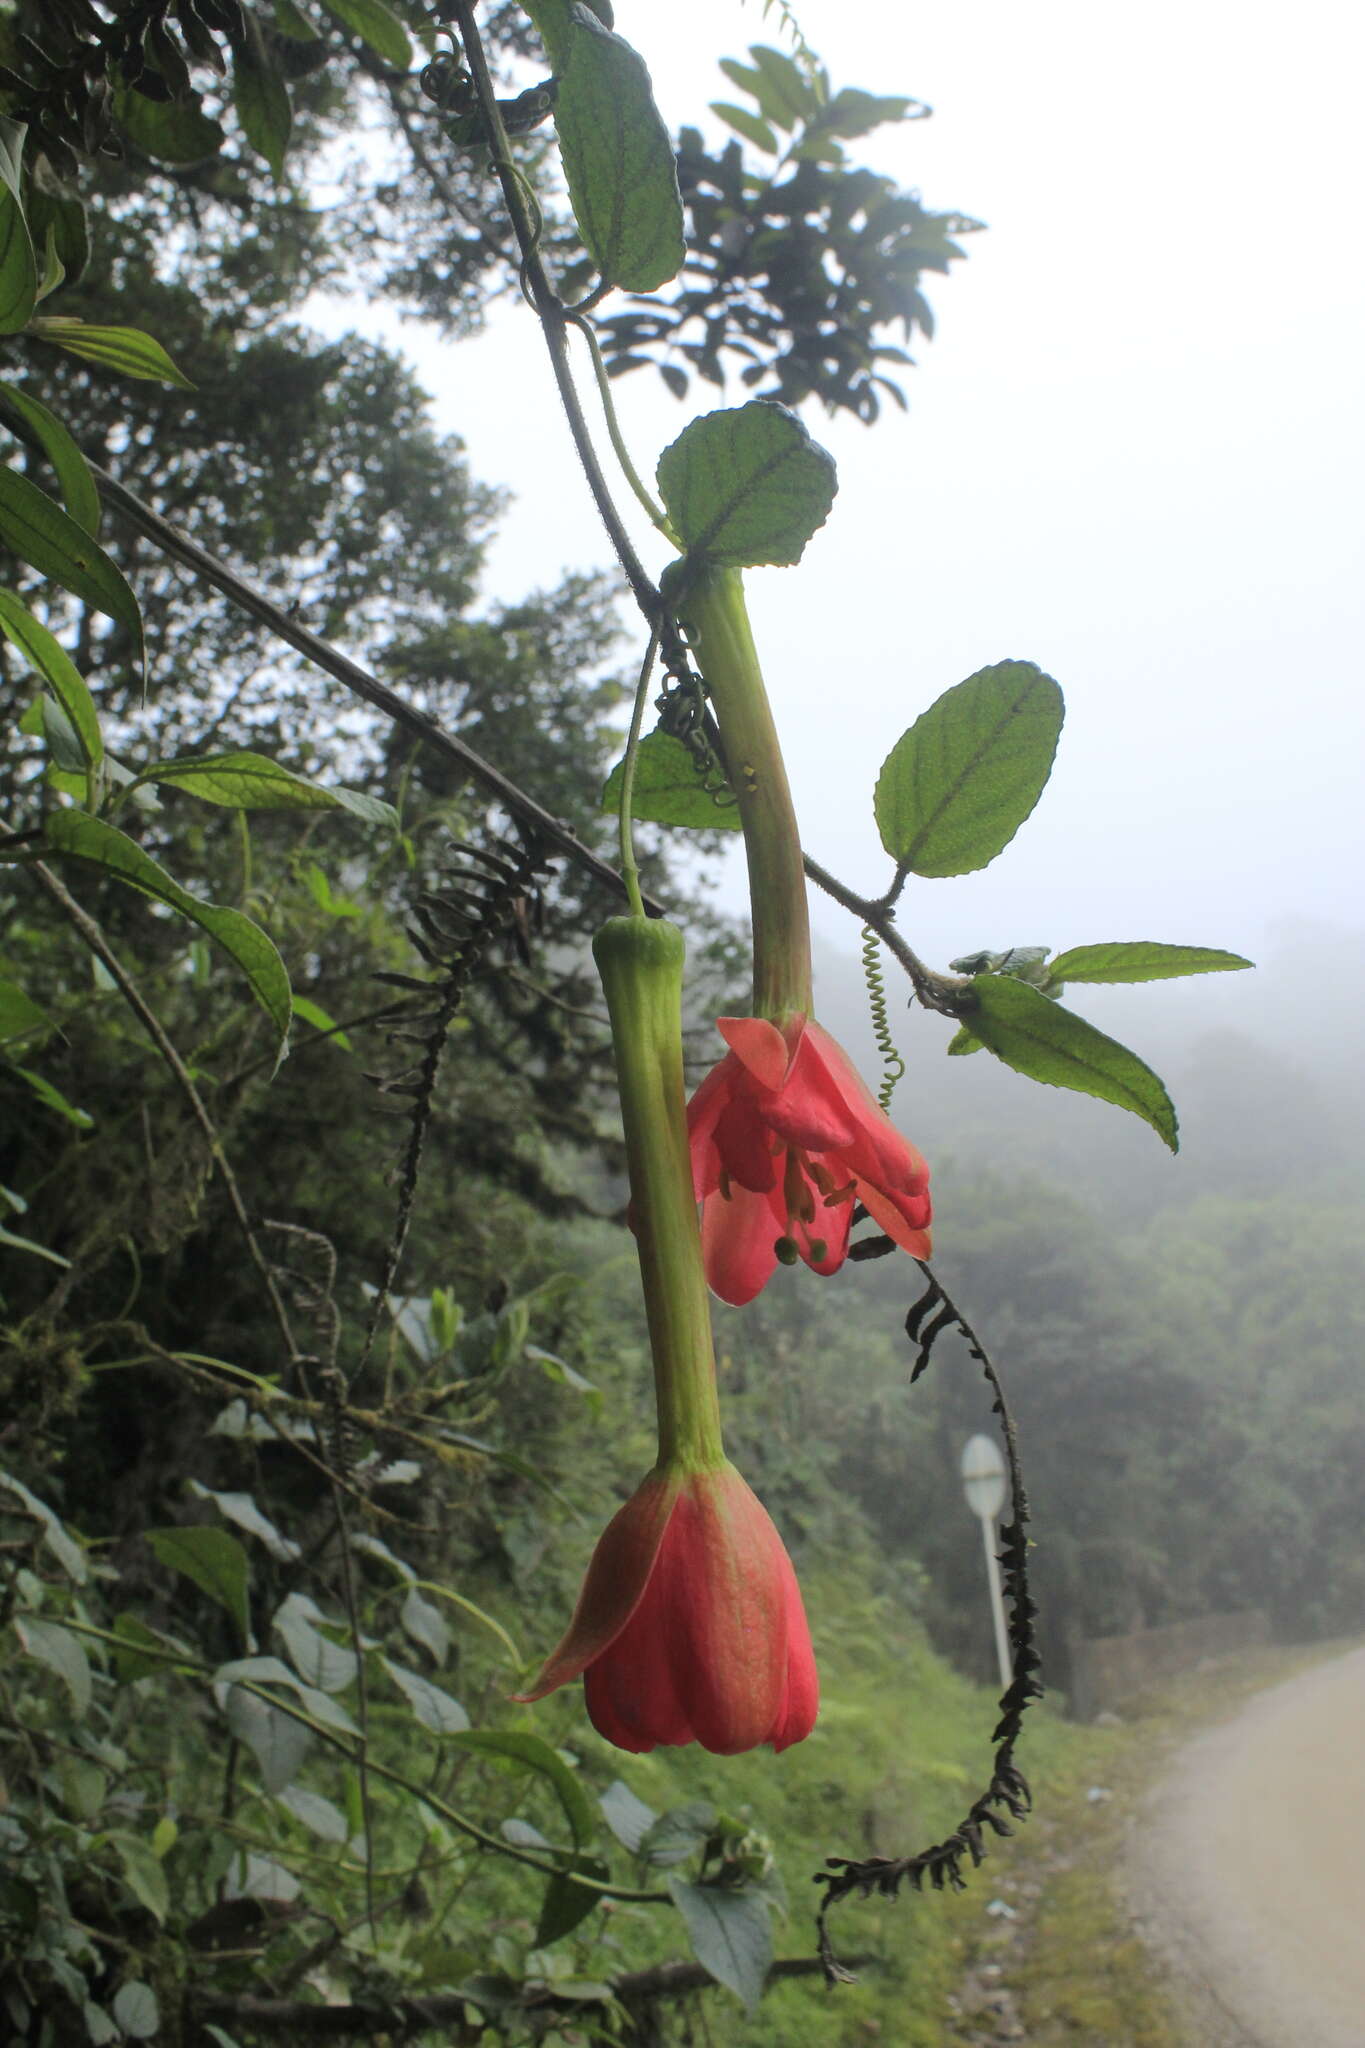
618 160
1041 1039
62 1653
58 670
126 349
136 2011
957 786
1141 960
668 790
435 1709
73 471
731 1933
19 1014
261 97
213 1560
278 1742
172 131
747 485
18 263
317 1814
253 782
51 542
377 26
143 1873
529 1753
746 124
565 1903
81 837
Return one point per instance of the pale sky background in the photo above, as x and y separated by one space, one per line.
1134 454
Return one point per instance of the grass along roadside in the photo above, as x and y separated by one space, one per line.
1052 1956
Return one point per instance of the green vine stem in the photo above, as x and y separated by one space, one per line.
630 869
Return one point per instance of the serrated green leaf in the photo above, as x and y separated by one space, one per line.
80 837
377 26
1141 960
18 263
668 790
962 1042
143 1874
746 485
554 24
746 124
529 1753
126 349
50 541
1041 1039
62 1653
618 160
261 97
213 1561
172 131
56 1536
957 786
566 1904
731 1933
253 782
81 498
435 1709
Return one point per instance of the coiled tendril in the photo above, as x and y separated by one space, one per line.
881 1024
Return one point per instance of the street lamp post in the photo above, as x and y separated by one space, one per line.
983 1482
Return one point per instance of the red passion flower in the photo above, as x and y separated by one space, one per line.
690 1626
785 1138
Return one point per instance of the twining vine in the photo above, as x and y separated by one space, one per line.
1007 1792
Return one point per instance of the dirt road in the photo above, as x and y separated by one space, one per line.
1248 1869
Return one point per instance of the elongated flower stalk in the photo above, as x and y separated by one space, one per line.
714 611
690 1626
785 1137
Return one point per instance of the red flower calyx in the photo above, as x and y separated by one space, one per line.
785 1138
690 1626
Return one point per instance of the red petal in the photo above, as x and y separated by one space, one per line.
744 1146
802 1701
875 1151
616 1581
763 1050
737 1239
631 1690
904 1218
703 1112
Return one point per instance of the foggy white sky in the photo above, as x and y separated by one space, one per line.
1134 455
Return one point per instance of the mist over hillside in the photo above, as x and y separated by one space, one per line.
1263 1067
